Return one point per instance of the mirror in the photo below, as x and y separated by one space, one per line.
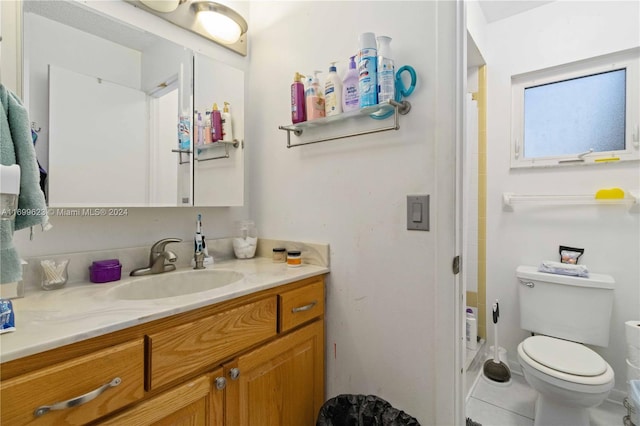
105 98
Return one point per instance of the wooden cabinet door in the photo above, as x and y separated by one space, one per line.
195 403
280 383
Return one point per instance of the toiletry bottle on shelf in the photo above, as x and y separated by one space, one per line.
367 64
315 99
184 131
207 127
216 124
332 92
298 107
227 127
350 97
386 71
198 131
472 330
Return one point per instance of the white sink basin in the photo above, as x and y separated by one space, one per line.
172 284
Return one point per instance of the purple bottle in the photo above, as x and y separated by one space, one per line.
298 110
216 124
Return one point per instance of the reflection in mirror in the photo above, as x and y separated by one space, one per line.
106 97
218 166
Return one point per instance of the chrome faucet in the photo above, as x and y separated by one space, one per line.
157 258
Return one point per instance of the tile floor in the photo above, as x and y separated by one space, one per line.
492 405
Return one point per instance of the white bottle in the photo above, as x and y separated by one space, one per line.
332 92
227 125
472 330
386 71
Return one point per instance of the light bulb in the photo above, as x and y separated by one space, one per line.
219 26
164 6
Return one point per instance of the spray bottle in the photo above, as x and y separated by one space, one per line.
386 71
367 65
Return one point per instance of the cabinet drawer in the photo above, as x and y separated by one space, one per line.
192 347
87 375
301 305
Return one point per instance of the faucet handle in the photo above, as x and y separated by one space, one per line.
160 245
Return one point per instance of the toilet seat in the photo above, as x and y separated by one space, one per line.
564 356
548 354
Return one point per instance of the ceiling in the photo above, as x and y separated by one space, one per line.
494 10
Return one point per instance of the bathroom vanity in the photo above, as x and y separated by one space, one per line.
249 353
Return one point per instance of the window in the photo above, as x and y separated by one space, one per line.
581 113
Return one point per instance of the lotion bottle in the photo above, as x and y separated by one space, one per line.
350 92
332 92
207 127
298 107
227 126
216 124
315 99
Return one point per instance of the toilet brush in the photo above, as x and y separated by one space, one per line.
494 369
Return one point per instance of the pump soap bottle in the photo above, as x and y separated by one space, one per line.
298 107
386 71
350 92
216 124
227 125
315 99
332 92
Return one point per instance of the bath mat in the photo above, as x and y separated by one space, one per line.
472 423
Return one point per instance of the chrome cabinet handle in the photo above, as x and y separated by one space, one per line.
221 383
234 373
304 308
528 283
74 402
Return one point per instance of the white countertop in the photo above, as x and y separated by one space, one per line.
50 319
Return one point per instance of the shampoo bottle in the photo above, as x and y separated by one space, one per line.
350 92
298 107
199 129
216 124
472 330
315 99
367 63
332 92
227 126
386 71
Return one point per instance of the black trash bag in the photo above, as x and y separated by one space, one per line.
362 410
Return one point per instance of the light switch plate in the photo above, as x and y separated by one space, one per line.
418 212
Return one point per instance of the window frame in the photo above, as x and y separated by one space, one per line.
628 59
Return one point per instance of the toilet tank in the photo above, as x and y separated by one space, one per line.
570 308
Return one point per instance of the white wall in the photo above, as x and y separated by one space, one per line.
351 193
560 32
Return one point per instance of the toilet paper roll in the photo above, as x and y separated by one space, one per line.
632 330
633 372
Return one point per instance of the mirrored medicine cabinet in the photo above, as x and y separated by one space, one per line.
104 98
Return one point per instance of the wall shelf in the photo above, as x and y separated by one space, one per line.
398 108
509 199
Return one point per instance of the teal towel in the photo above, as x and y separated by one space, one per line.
16 147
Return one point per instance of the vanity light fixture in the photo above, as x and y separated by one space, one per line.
212 20
222 22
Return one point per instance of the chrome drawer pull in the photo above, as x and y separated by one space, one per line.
304 308
74 402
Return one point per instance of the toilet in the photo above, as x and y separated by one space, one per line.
564 313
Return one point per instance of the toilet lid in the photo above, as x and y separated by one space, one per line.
567 357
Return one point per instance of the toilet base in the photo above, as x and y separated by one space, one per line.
550 413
